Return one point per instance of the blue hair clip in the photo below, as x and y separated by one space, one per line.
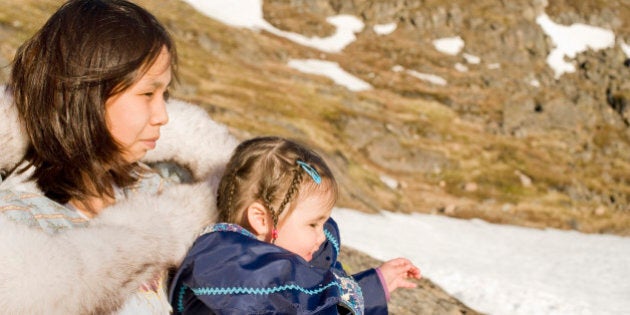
311 171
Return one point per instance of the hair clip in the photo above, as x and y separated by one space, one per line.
311 171
274 235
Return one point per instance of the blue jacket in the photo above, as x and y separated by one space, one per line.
229 261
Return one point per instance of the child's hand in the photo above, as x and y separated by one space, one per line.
397 271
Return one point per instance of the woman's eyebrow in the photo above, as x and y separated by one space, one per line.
158 84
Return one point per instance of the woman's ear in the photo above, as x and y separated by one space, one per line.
260 220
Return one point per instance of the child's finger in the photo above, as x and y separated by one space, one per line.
405 267
407 284
400 264
414 272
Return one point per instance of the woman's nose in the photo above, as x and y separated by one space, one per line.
159 115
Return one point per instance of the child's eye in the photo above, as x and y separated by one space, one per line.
166 95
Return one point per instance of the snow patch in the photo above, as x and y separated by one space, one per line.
331 70
570 40
449 45
435 79
385 29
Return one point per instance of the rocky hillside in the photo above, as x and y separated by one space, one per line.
489 144
503 140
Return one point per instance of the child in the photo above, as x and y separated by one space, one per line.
276 248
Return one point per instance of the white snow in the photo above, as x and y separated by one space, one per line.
501 269
471 59
241 13
248 14
398 68
570 40
432 78
534 83
449 45
435 79
389 181
331 70
461 67
385 29
346 25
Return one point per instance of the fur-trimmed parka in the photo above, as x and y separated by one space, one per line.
97 268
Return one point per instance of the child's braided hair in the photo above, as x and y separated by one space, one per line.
266 169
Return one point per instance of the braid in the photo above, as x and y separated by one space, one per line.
230 197
267 199
269 170
293 189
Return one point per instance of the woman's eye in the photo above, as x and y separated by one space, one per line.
166 95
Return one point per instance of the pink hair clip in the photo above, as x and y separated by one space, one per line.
274 234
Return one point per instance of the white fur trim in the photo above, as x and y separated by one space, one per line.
193 139
97 268
12 139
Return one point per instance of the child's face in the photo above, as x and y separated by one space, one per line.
302 232
134 117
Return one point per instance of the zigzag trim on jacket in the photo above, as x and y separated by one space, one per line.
248 290
332 240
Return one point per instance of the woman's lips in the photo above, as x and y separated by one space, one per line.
150 143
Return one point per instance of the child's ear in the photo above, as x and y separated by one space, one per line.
259 220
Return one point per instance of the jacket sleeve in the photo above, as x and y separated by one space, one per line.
373 292
93 270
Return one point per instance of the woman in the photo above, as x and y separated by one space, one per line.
85 226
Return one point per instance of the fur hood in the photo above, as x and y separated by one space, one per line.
12 138
94 270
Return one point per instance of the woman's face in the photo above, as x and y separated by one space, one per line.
134 116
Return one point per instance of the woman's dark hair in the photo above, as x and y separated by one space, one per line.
87 52
268 170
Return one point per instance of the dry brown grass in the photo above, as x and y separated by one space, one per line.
241 78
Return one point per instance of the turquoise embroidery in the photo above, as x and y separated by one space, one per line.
332 240
246 290
180 298
260 291
227 227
